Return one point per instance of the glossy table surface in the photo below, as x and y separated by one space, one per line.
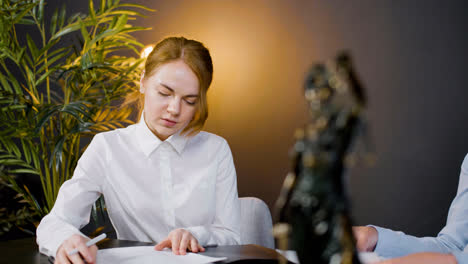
24 251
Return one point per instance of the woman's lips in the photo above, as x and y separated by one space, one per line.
168 122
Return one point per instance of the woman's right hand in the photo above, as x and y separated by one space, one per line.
366 238
85 253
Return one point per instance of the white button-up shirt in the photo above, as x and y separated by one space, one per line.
150 188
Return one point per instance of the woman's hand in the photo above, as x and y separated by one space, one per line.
426 258
180 240
88 254
366 238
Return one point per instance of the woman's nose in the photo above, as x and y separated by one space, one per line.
174 106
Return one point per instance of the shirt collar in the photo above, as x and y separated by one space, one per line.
149 142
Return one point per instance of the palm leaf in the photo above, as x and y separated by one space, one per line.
42 130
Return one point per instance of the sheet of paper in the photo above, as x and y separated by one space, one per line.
147 255
369 257
290 255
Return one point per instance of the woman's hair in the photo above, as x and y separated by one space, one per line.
197 57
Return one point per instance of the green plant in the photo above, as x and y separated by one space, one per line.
42 128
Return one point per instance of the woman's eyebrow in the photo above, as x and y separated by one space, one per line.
172 90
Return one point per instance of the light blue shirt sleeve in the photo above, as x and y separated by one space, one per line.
462 257
453 238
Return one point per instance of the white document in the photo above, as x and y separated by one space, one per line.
369 257
147 255
290 255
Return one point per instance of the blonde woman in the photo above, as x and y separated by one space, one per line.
163 179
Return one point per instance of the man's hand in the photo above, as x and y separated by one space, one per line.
180 240
426 258
88 254
366 238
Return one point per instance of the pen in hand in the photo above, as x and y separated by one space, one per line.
89 243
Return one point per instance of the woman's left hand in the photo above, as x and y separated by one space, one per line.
180 240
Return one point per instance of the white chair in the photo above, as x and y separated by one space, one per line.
256 223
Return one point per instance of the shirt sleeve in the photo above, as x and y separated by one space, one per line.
225 230
451 239
462 257
76 196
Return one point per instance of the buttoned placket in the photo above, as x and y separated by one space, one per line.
165 152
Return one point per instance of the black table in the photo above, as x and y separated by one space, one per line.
24 251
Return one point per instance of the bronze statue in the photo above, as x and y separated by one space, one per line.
312 212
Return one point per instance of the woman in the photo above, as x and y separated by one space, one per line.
450 245
162 179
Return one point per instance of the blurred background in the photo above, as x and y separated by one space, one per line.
410 56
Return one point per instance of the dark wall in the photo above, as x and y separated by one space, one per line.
410 55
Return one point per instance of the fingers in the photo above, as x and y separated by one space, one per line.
180 240
366 238
61 257
360 239
200 248
93 250
175 241
68 246
163 244
194 245
75 258
184 242
84 252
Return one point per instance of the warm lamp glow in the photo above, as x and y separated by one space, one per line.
146 51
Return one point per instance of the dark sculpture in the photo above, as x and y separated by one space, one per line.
312 212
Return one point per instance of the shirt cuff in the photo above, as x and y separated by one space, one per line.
200 233
387 242
462 257
51 246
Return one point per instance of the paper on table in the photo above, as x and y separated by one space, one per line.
147 255
369 257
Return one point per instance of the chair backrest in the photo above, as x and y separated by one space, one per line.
256 223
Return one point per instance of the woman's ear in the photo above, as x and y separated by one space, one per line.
142 89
